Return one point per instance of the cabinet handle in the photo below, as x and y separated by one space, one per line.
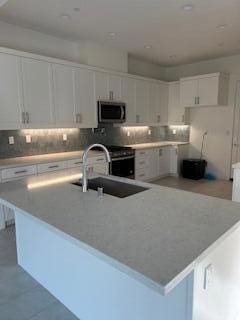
78 118
158 118
21 171
110 95
183 118
137 118
198 100
142 162
142 175
195 100
160 152
23 117
79 162
52 167
101 159
27 117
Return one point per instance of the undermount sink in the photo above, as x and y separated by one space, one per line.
112 187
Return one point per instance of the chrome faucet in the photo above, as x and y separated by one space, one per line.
85 165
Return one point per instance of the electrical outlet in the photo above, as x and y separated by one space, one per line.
149 132
128 133
208 277
174 131
64 137
28 138
11 140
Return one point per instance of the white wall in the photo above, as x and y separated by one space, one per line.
24 39
18 38
110 58
217 121
147 69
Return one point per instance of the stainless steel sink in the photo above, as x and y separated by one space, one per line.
112 187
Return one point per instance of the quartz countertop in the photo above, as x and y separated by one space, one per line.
44 158
151 145
236 165
156 236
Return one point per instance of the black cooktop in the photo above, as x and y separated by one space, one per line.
118 151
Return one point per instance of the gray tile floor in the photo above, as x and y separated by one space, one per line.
21 297
218 188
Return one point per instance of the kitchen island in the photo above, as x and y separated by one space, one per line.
149 256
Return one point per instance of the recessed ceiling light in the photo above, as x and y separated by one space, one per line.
65 16
76 9
188 7
112 34
147 46
221 44
222 26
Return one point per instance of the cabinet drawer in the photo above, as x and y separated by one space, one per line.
74 163
143 153
142 162
53 166
15 173
142 174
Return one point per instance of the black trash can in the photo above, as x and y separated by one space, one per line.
193 168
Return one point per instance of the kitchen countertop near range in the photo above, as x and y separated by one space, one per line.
159 144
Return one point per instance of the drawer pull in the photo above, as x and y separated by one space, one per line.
53 167
21 171
142 152
79 162
142 162
100 159
142 175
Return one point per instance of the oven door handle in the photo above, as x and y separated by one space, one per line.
122 158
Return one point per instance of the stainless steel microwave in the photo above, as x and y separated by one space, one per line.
111 112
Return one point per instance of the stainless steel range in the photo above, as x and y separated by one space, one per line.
123 161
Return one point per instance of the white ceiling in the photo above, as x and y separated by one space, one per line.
176 36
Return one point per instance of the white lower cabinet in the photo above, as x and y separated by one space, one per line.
151 164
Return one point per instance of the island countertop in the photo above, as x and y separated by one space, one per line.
156 236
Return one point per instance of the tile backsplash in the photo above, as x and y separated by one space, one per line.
51 140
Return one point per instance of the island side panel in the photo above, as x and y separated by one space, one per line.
217 294
88 286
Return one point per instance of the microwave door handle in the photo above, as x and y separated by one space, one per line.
122 113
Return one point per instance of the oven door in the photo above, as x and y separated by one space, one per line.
123 167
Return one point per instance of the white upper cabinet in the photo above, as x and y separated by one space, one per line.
37 93
63 83
10 92
154 103
142 101
188 92
164 103
101 86
85 103
114 87
205 90
128 96
176 112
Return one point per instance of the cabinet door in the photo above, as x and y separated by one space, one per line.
10 92
154 103
188 92
174 161
114 87
153 169
164 161
86 106
128 96
101 86
176 112
208 91
164 103
37 88
63 79
142 101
